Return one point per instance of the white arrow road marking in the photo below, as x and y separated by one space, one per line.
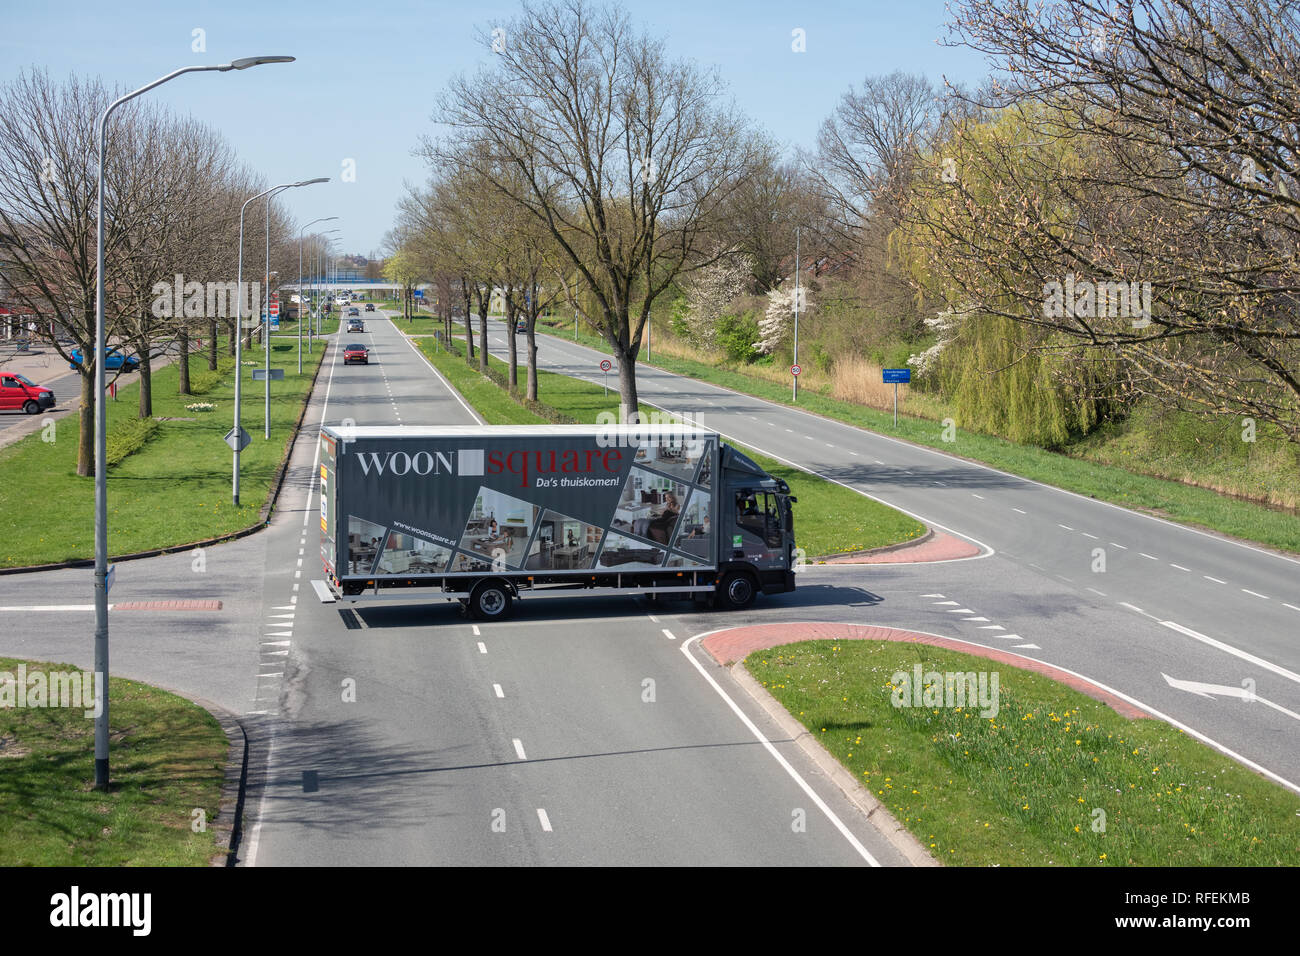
1228 648
284 607
280 634
992 627
1008 637
1034 647
974 618
960 610
932 595
276 643
1224 690
946 602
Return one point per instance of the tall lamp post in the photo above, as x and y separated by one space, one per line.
239 315
301 298
101 420
795 386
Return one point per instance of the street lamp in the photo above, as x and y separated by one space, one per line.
322 256
301 298
101 420
238 432
795 386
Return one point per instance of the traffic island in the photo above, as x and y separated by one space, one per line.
987 758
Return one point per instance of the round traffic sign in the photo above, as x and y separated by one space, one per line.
795 370
606 365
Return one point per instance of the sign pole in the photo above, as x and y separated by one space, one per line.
895 404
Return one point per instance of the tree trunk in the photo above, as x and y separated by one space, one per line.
213 330
532 360
146 383
512 346
484 303
183 340
86 416
234 337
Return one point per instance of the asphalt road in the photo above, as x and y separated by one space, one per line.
1170 601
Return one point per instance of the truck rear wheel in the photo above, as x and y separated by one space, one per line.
737 591
490 601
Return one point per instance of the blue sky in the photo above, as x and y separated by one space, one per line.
368 73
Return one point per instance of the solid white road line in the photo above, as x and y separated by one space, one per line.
1134 607
845 832
1229 649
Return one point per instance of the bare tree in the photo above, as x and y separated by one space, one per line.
623 155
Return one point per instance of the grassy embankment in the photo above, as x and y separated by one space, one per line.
1054 778
174 484
167 761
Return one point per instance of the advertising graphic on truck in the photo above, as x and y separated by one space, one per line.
493 513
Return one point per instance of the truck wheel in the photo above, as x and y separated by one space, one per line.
490 601
737 591
30 407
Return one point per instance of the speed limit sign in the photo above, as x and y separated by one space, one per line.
606 365
795 370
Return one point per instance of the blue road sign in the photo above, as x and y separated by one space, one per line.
898 376
418 293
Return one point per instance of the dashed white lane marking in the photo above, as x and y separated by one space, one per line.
653 618
980 497
669 634
1022 512
476 630
1134 607
300 552
1065 526
791 430
298 573
1291 606
1120 546
1229 649
545 820
1086 535
496 689
854 454
1215 580
1256 594
519 749
877 461
1149 557
1179 567
1095 591
482 648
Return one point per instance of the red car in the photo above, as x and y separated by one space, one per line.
17 392
356 353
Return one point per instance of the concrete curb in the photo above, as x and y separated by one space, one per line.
883 549
263 517
884 822
228 826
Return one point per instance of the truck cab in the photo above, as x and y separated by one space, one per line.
756 551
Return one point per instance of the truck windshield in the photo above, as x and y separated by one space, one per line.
759 514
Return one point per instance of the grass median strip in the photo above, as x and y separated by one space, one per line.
171 490
1045 776
168 758
1157 496
829 519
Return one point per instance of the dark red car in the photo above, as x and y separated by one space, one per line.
20 393
356 353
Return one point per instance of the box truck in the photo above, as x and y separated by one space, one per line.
487 515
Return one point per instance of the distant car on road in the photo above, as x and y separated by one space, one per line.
370 307
19 393
113 360
356 353
354 311
356 325
521 325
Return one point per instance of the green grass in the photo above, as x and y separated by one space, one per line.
830 519
1108 482
167 759
173 490
1023 788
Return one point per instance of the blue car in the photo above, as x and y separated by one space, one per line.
113 360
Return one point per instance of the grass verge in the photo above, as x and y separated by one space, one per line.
1156 496
830 519
1054 778
174 489
168 758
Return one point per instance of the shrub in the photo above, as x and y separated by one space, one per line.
126 438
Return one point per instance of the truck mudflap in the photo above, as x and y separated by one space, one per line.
776 580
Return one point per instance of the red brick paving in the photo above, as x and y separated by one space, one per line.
204 605
941 546
735 644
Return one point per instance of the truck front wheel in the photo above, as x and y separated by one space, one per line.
490 601
737 591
